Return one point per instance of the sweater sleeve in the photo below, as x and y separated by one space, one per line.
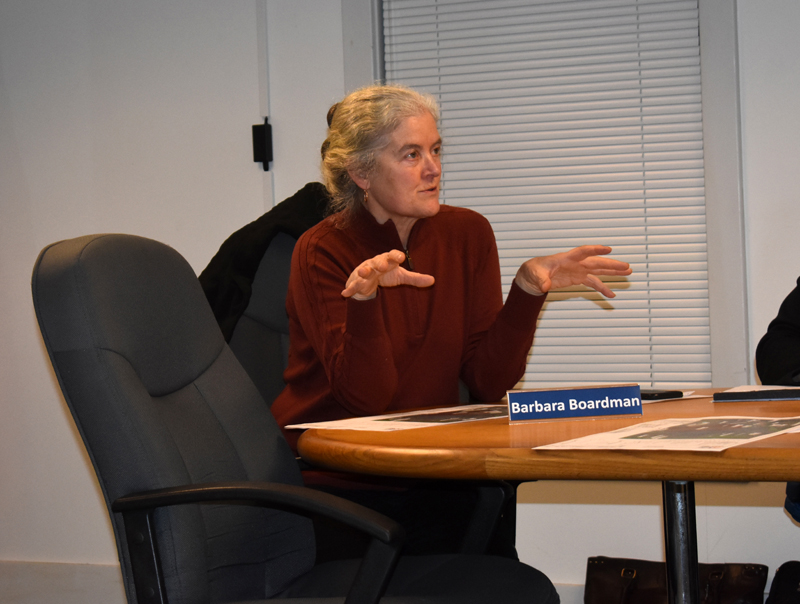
501 335
778 352
348 336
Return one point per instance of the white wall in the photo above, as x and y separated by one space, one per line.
135 117
769 50
132 117
114 117
306 76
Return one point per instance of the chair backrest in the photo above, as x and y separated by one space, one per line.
246 283
260 339
160 400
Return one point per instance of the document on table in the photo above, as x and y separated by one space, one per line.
687 394
685 434
413 419
757 393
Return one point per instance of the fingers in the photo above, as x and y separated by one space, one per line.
358 288
591 261
417 279
586 251
599 286
383 270
602 267
383 263
608 267
363 282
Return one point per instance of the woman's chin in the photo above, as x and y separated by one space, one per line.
431 208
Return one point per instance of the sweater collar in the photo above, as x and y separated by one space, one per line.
381 236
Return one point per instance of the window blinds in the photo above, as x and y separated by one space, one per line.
569 122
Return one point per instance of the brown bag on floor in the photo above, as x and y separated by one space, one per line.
628 581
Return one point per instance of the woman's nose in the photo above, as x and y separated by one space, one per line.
433 165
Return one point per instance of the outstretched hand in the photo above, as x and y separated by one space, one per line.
579 266
383 270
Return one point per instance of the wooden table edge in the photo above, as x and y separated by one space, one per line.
739 464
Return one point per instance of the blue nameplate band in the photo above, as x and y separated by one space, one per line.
594 401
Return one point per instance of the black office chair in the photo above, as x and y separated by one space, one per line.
170 419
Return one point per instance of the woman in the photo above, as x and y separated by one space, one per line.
394 298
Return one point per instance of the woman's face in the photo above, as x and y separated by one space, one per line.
405 183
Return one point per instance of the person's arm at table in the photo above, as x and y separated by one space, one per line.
348 334
778 352
497 356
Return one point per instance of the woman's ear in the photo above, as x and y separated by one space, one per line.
360 178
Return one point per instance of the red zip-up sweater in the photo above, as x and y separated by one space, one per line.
407 347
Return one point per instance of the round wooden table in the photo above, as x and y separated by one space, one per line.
494 449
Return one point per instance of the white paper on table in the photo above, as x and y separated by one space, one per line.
413 419
685 434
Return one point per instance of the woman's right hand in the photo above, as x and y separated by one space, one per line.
383 270
578 266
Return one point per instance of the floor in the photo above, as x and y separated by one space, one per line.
52 583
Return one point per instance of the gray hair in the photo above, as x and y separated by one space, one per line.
359 127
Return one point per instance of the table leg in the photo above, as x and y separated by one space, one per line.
680 539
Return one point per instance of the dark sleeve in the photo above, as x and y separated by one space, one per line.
778 352
499 362
500 335
348 336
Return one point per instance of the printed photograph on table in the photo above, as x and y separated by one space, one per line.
450 416
739 428
710 434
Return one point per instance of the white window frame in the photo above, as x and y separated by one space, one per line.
725 232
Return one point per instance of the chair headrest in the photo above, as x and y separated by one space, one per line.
130 295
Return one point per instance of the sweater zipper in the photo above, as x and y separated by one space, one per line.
416 325
408 260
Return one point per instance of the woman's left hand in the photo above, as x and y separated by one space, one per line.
579 266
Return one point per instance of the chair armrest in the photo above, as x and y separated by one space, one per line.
373 575
291 498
